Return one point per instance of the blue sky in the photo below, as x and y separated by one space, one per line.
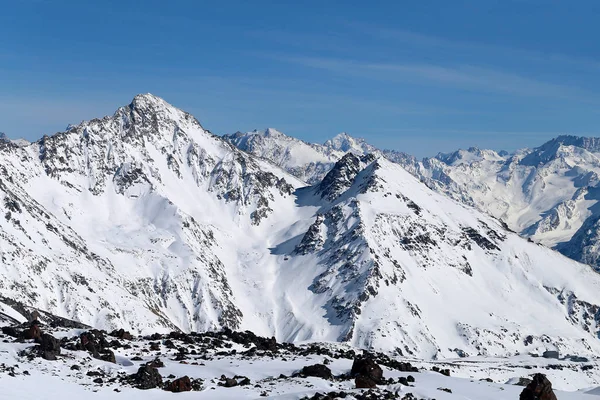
421 77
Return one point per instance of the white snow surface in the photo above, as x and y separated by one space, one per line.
145 221
470 378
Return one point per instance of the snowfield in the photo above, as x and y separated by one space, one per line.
272 373
145 221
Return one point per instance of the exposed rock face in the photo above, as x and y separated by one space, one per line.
49 347
147 377
540 388
317 370
366 372
182 384
33 332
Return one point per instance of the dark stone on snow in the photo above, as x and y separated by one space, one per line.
364 382
367 367
317 370
10 331
182 384
49 347
156 363
109 356
550 354
147 377
441 371
540 388
121 334
33 332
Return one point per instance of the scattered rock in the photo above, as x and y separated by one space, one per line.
183 384
49 347
317 370
366 371
156 363
539 388
441 371
523 382
121 334
147 377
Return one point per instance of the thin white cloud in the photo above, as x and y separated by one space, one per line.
462 48
466 77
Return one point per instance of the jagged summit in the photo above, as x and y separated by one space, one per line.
344 142
342 175
470 155
561 146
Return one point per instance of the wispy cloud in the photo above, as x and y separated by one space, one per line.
468 48
467 77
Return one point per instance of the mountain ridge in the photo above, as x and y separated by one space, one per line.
513 187
144 220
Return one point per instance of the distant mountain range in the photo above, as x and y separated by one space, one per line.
144 220
549 194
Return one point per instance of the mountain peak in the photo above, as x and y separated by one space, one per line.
342 142
553 148
147 102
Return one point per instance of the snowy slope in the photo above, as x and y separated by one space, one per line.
145 221
548 194
308 162
130 220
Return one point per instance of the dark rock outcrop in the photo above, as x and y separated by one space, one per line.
33 332
183 384
122 334
317 370
49 347
540 388
147 377
366 371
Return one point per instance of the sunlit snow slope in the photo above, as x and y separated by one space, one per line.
144 220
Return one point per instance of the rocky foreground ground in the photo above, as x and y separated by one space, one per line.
37 359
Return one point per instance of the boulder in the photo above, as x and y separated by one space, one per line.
367 367
33 332
364 382
317 370
49 347
540 388
182 384
121 334
10 331
147 377
108 355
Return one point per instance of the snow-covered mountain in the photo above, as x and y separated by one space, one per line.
548 194
308 162
146 221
